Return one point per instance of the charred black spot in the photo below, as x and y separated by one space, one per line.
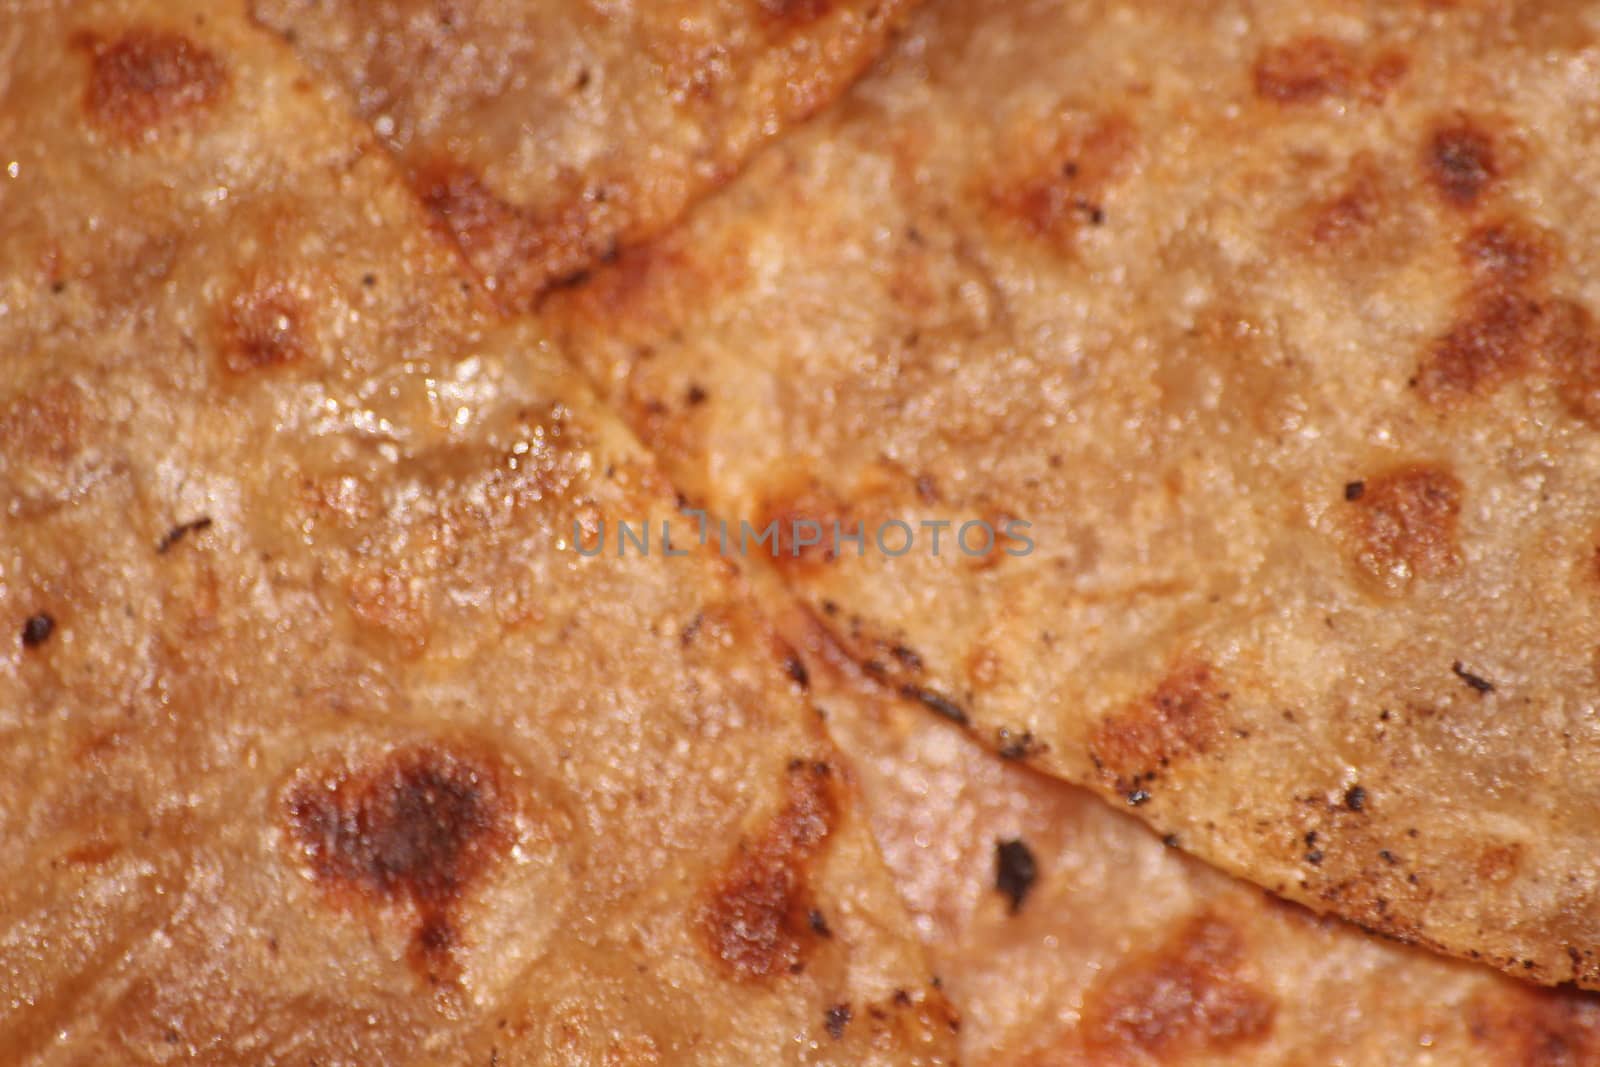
1136 797
1355 798
408 827
418 827
37 629
1353 490
837 1018
695 396
819 923
1015 871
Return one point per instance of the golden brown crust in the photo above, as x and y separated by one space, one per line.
1111 947
543 135
319 741
1169 281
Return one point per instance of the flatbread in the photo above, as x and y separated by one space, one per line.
1070 935
1274 322
544 133
319 743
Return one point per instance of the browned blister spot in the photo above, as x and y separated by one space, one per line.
1404 525
416 828
1303 70
802 525
1499 863
1495 340
1507 254
1351 212
1183 716
146 79
517 254
1387 72
1056 188
1460 161
265 325
1521 1026
1572 350
394 599
756 918
44 425
1190 995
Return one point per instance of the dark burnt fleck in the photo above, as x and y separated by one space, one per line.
797 671
1017 744
694 396
819 923
1355 798
369 280
1474 682
937 703
1353 490
1314 857
1015 871
1388 857
908 657
180 531
570 280
837 1018
1137 797
37 630
1171 840
1311 838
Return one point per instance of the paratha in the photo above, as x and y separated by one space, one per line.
1070 935
1274 323
318 741
544 133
